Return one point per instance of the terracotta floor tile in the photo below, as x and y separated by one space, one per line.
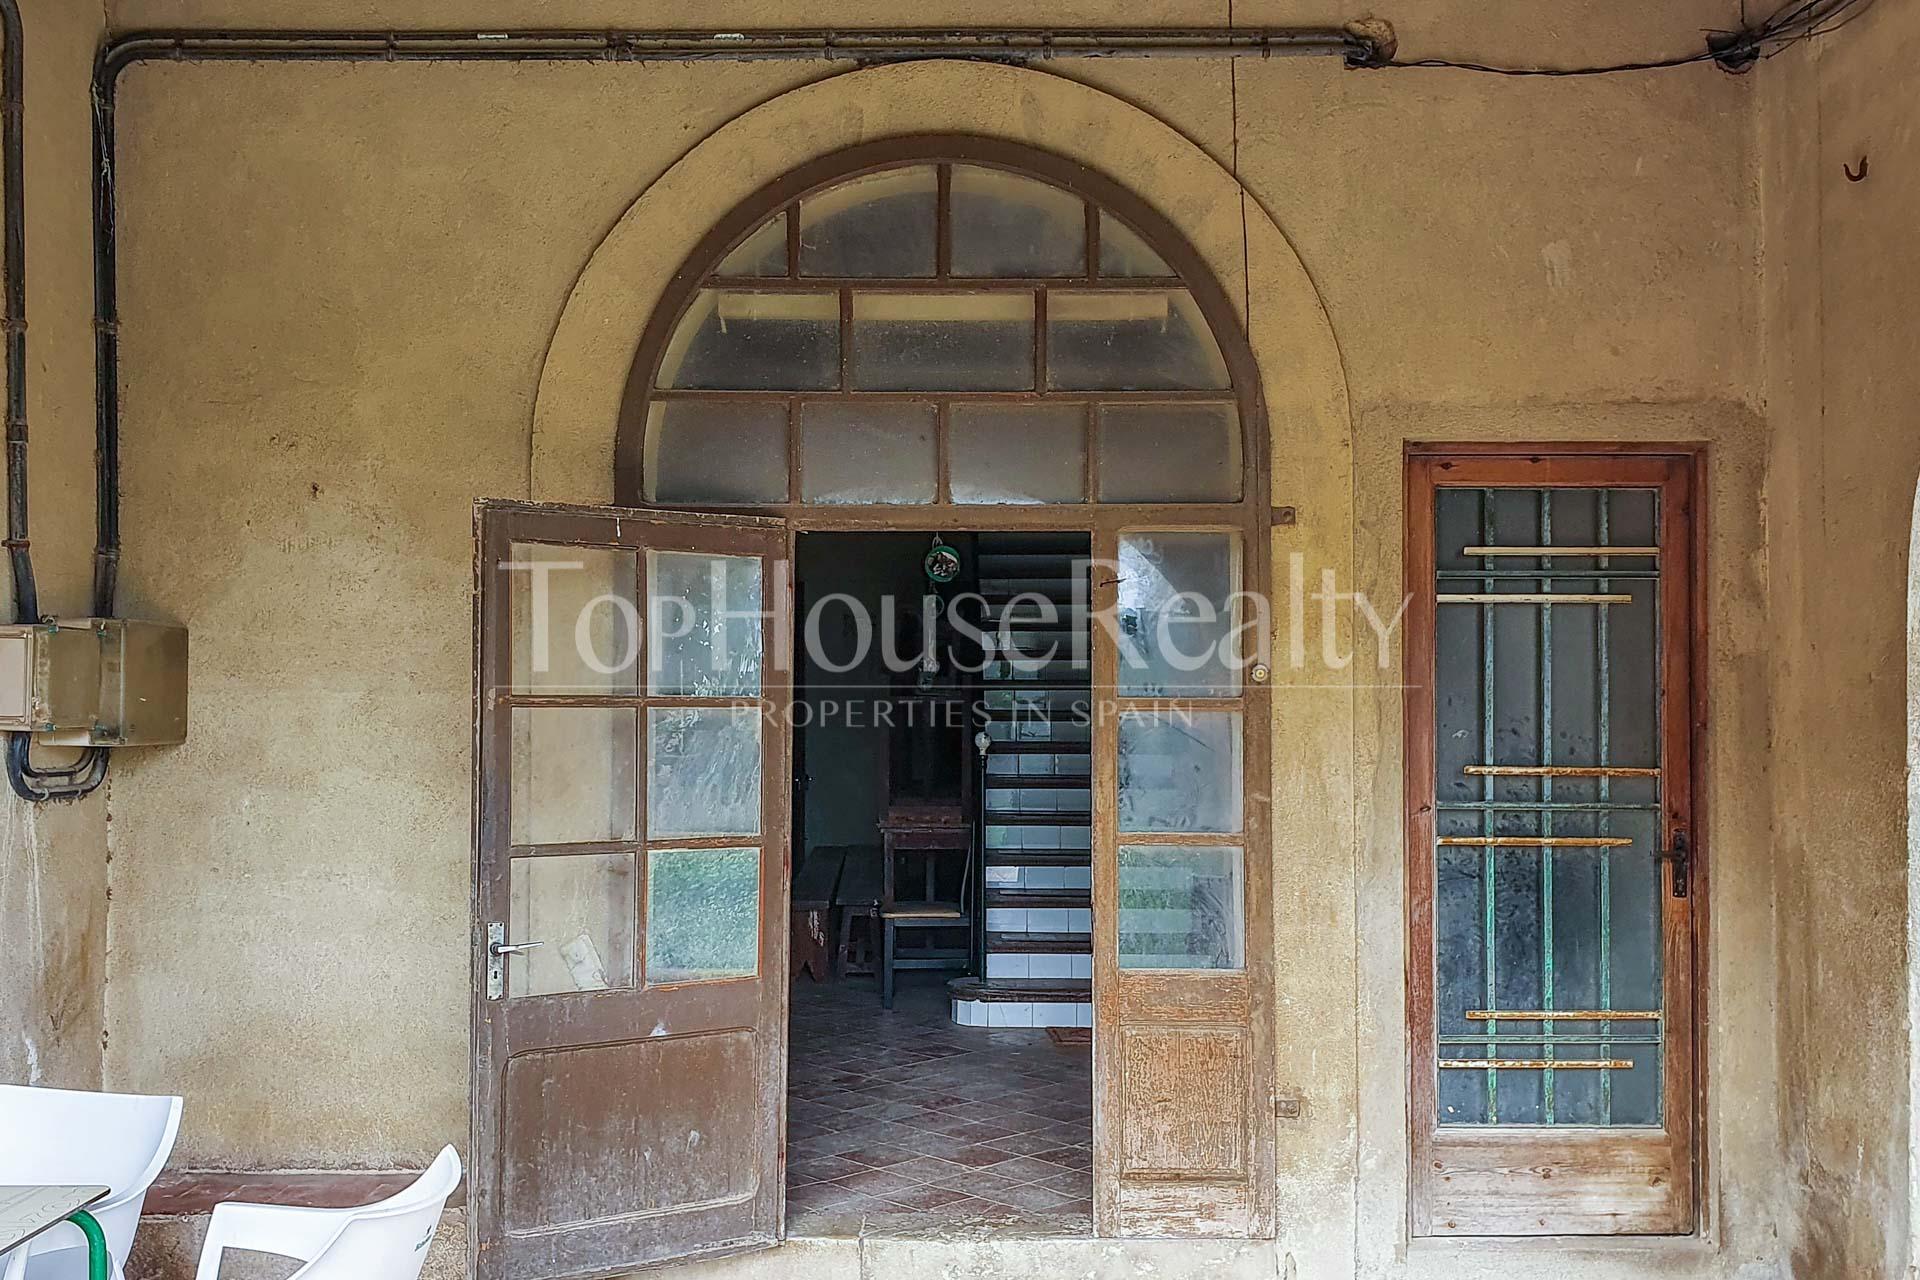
902 1117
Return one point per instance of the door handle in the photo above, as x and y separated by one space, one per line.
498 949
1681 859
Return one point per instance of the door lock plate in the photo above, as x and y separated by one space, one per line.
496 962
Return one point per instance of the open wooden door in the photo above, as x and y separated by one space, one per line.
1184 1123
630 886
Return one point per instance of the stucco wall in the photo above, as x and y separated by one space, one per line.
340 286
1843 267
53 865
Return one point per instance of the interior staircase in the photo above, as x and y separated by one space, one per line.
1035 791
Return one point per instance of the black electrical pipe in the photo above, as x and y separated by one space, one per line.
26 599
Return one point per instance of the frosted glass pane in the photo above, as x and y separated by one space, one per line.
1130 340
1007 225
704 617
706 451
878 225
1180 771
1124 254
1175 614
573 613
875 452
703 914
1170 453
703 771
573 773
733 340
580 908
942 342
764 253
1181 907
1016 453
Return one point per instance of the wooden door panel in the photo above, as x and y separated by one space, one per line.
629 1070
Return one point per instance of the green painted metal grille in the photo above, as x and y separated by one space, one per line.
1547 719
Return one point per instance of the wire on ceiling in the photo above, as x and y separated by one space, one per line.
1793 22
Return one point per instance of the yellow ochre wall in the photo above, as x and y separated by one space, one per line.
356 298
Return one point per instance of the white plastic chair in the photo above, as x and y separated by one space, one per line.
61 1136
384 1241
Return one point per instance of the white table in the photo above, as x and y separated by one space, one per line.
27 1211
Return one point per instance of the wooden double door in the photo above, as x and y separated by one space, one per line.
631 877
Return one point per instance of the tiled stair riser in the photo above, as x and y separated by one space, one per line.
1007 1013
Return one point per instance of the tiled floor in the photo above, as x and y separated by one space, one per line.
903 1122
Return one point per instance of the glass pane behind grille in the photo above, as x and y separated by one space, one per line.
1530 926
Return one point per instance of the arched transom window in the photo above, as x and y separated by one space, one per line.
956 332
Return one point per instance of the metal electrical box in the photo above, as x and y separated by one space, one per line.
95 682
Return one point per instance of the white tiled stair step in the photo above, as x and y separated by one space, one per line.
1000 1013
1040 877
1040 965
1040 919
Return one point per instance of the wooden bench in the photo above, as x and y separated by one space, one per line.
814 889
857 899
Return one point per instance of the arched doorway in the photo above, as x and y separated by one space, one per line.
947 335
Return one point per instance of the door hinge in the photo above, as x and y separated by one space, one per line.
1679 859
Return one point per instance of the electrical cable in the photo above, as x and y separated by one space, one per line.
1735 51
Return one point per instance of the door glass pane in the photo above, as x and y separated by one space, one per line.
703 771
707 451
764 253
1007 225
703 914
1124 254
1130 340
1175 614
878 225
1181 907
1169 453
573 612
1180 771
876 452
942 342
1008 453
704 617
580 908
735 340
1565 915
574 774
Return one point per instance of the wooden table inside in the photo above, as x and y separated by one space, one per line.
27 1211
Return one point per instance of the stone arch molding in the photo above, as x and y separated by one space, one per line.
577 405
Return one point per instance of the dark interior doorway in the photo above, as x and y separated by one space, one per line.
941 727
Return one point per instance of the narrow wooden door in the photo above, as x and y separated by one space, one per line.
630 885
1183 1134
1552 854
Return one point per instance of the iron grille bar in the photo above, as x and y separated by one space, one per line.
1530 597
1557 771
1601 551
1537 842
1563 1015
1536 1064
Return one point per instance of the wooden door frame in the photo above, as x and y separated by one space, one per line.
1678 470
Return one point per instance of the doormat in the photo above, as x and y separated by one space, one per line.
1071 1037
